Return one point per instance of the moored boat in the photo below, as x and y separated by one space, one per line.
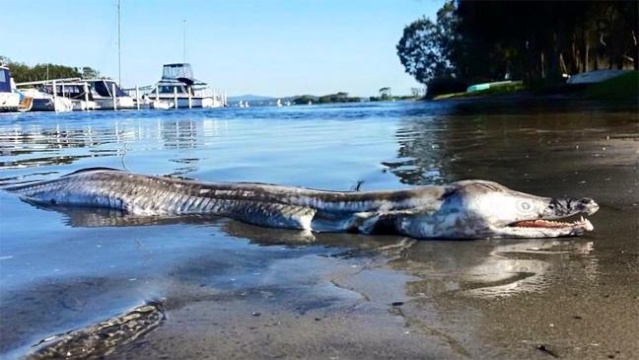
108 95
182 90
43 101
10 99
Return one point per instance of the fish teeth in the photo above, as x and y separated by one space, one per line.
588 226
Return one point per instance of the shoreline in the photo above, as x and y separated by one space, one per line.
621 90
231 290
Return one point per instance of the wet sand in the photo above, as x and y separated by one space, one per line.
565 298
341 296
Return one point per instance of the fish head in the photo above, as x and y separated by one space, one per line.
474 209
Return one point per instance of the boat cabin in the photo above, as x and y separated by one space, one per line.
5 79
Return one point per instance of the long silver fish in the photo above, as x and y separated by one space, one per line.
469 209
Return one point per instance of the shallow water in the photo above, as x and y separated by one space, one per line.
64 269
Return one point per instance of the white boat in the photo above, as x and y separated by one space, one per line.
159 104
43 101
108 95
486 86
10 99
180 88
82 105
75 90
76 94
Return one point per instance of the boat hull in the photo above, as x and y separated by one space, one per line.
9 102
57 105
195 102
121 103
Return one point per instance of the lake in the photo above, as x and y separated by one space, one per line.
233 290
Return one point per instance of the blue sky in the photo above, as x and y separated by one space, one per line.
275 48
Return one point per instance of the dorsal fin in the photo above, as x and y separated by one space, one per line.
90 169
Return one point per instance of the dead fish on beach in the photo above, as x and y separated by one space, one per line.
469 209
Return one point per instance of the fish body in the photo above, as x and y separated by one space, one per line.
467 209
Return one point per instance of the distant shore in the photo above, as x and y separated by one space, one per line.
622 89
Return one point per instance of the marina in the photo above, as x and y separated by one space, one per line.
177 89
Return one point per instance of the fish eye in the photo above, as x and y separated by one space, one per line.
524 206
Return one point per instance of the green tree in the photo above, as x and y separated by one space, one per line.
543 39
425 47
304 99
340 97
24 73
416 92
90 73
385 93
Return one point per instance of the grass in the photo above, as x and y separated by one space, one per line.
620 88
492 91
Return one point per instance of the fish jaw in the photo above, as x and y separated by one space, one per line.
457 224
543 229
546 225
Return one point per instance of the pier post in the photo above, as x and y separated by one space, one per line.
86 96
175 99
190 106
137 96
115 103
55 93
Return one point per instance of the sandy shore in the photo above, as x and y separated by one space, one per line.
341 296
569 298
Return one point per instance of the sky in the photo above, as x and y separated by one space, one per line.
270 48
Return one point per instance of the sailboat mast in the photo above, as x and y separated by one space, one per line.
119 50
184 41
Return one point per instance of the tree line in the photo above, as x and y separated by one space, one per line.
24 73
526 40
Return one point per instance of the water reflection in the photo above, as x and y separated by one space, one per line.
485 269
420 158
62 143
496 268
501 148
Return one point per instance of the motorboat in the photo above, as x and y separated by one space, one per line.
74 90
43 101
108 95
10 99
182 90
77 94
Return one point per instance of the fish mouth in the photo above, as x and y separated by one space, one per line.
562 209
581 224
